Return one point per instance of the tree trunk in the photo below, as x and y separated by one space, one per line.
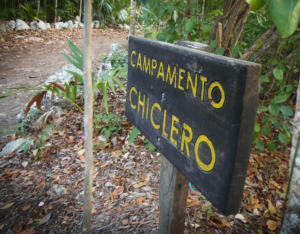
132 17
38 8
55 11
88 118
188 14
291 222
80 7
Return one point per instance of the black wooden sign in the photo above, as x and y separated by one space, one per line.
199 110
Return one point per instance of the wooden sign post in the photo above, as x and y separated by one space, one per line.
199 110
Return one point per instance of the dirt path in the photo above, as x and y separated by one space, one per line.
30 63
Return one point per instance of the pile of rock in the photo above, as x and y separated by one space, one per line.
21 25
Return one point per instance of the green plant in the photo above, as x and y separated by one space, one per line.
134 133
108 124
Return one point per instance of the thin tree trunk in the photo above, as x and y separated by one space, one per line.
80 7
38 8
55 12
188 13
132 17
202 19
88 118
291 221
45 1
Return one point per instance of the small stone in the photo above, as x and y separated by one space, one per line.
12 146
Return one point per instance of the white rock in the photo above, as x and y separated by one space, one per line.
58 25
121 26
81 25
48 25
19 37
41 204
11 25
126 27
65 25
96 23
34 39
21 25
70 24
77 19
76 24
41 25
12 146
2 28
33 25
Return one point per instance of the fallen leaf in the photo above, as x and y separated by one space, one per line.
24 164
48 207
30 221
7 206
272 225
45 219
66 218
272 209
28 231
95 175
126 204
18 227
1 226
117 191
125 221
26 207
240 217
41 184
140 184
82 158
120 209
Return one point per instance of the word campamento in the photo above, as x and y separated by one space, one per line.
175 77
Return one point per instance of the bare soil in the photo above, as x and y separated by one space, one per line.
30 63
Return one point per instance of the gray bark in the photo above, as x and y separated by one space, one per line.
80 7
55 12
132 17
291 223
255 47
88 118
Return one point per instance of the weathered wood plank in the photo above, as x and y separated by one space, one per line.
173 190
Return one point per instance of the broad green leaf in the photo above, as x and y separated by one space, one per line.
286 110
262 108
273 109
271 146
274 120
266 130
220 51
213 45
107 133
257 127
67 90
256 5
289 88
150 146
278 74
286 15
255 135
297 57
265 119
260 145
279 99
283 138
133 134
49 128
207 28
264 79
189 25
235 50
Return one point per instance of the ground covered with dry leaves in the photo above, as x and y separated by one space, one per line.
45 195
